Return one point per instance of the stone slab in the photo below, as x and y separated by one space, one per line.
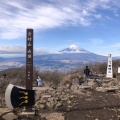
105 89
111 88
27 113
4 110
42 88
85 87
53 116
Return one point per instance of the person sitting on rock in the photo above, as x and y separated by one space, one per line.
39 81
80 80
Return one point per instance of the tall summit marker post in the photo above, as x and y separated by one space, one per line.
29 59
29 62
109 67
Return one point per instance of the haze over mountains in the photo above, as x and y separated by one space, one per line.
65 59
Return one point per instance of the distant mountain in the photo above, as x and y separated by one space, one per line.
68 58
73 49
2 59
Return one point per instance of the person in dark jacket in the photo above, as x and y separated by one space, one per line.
86 73
80 80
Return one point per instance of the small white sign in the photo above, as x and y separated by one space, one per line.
118 69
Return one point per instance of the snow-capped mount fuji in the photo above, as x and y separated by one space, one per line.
74 49
70 57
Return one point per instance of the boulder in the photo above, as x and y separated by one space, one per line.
10 116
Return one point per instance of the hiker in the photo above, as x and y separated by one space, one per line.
39 81
80 80
4 76
86 73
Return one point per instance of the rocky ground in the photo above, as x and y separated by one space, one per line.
97 100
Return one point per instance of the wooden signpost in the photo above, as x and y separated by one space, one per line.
29 62
29 59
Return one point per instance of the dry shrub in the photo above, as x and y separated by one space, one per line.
12 73
66 80
17 76
51 78
69 77
3 84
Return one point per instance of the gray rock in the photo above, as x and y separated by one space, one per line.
59 104
53 116
42 106
50 104
10 116
46 96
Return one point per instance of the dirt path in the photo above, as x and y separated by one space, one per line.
97 106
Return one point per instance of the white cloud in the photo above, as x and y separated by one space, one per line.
85 13
97 41
38 51
12 49
16 50
98 16
108 49
116 45
16 16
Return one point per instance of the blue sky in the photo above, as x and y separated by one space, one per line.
90 24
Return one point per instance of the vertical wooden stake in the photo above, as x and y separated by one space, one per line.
29 62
